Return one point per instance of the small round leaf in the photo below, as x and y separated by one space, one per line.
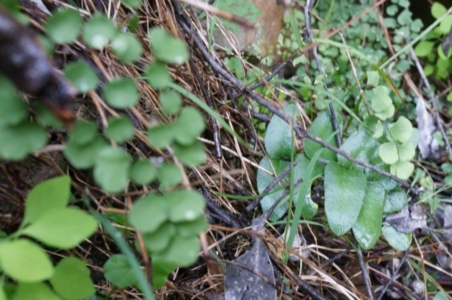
149 213
166 47
126 47
398 240
36 291
157 75
171 102
118 271
191 155
84 156
169 175
82 76
159 240
402 130
388 153
142 172
119 129
121 93
190 124
111 169
98 30
161 136
185 205
64 26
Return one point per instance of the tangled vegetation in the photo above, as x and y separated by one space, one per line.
173 149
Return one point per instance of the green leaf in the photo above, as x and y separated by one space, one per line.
438 10
127 47
406 151
424 48
98 30
441 296
121 93
278 140
63 26
62 228
381 100
149 213
118 271
360 145
308 207
402 130
13 109
25 261
84 156
321 128
193 228
185 205
445 25
367 228
189 125
142 172
119 129
372 78
161 136
344 193
159 240
395 201
84 132
167 48
17 141
180 252
35 291
398 240
81 76
132 3
388 152
52 193
111 169
402 169
157 75
264 179
72 279
169 175
191 155
170 101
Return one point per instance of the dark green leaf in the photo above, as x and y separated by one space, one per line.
398 240
118 271
143 172
167 48
367 228
82 76
25 261
52 193
17 141
119 129
63 26
121 93
360 145
395 200
111 169
83 133
72 279
344 194
13 109
321 128
279 135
